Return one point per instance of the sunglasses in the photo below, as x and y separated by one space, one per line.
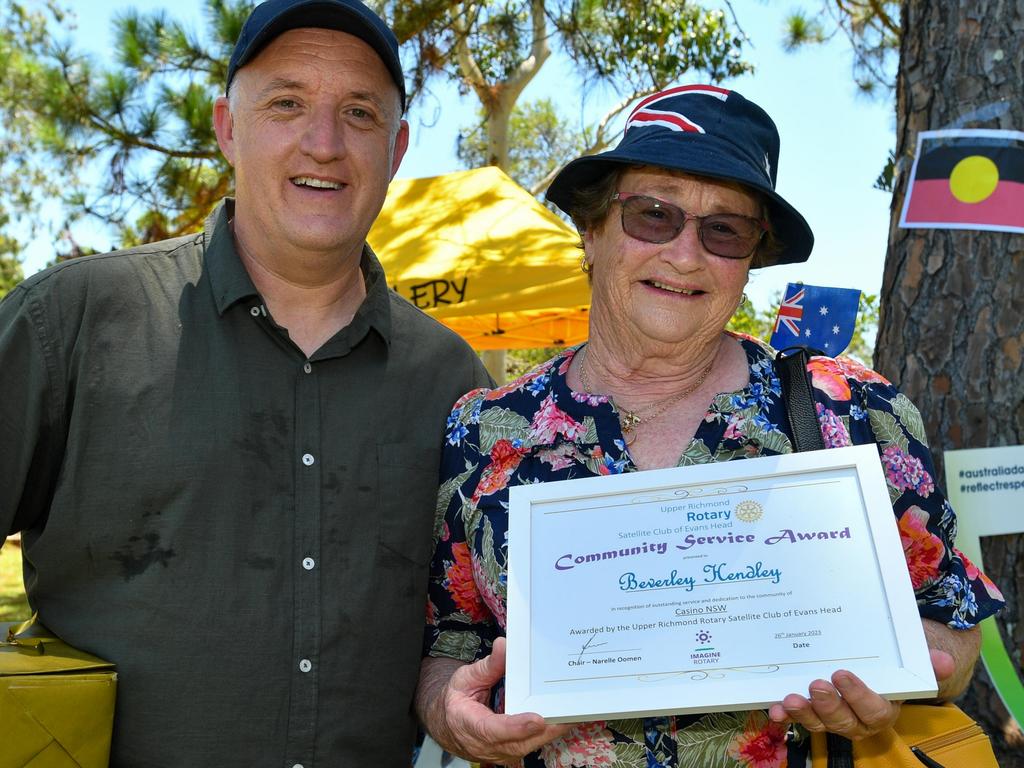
728 235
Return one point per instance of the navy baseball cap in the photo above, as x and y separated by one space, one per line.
707 131
273 17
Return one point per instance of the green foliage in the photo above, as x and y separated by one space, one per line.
13 603
873 30
144 128
862 345
648 44
519 361
10 274
753 322
537 135
24 179
886 181
802 29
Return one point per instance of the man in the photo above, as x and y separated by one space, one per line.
222 449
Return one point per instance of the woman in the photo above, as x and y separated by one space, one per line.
671 221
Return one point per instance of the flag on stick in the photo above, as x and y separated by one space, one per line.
816 316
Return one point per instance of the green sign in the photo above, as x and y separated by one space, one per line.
986 488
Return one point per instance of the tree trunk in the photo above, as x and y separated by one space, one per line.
951 331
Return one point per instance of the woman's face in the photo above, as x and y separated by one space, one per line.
668 292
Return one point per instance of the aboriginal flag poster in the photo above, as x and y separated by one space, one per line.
967 179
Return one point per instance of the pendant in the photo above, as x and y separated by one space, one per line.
629 420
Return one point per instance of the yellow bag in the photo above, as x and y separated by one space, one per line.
924 736
56 702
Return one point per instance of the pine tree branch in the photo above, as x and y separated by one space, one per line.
121 136
884 17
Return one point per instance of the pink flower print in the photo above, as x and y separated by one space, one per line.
854 370
550 420
976 575
827 376
586 745
922 549
588 399
732 427
905 472
504 459
762 744
570 354
461 585
488 593
560 457
833 430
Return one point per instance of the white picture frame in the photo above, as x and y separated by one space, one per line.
563 582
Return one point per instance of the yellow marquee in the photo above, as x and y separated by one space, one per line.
480 254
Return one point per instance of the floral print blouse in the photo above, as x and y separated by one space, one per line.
535 429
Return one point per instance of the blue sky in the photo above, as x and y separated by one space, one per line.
834 142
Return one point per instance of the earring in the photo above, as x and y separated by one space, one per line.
584 265
743 298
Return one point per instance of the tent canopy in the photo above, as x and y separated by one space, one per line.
479 253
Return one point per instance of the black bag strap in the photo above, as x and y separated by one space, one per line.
796 395
803 423
840 751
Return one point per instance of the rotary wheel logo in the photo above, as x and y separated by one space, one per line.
749 511
703 637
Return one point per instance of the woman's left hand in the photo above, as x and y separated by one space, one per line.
848 707
845 706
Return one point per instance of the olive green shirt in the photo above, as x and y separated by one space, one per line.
243 530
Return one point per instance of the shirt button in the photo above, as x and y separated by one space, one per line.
297 765
305 665
254 311
307 459
307 368
308 563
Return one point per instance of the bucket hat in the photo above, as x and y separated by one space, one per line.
704 130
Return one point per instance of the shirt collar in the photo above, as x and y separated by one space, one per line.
228 278
231 283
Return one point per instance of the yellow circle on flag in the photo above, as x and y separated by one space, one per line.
973 179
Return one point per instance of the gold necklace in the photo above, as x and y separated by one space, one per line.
630 420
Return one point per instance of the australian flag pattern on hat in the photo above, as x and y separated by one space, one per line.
645 113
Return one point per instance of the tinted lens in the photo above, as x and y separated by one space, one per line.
651 220
730 235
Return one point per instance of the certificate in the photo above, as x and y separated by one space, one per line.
708 588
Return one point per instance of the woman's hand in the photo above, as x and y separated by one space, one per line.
452 702
845 706
848 707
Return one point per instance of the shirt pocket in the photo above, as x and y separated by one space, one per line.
407 498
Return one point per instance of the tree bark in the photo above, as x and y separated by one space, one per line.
951 330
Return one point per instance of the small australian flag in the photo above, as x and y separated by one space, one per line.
816 316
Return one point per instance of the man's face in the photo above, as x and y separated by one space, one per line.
314 133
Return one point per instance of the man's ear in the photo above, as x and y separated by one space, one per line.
401 145
224 127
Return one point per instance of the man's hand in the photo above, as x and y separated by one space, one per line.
452 701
